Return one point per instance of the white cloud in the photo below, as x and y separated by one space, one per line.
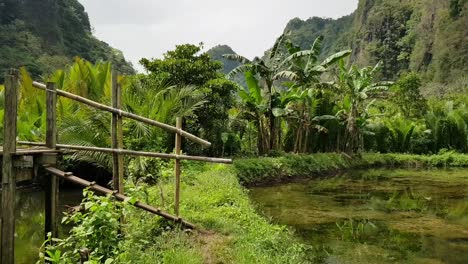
148 28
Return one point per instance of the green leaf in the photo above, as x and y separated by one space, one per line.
130 200
254 89
335 57
109 261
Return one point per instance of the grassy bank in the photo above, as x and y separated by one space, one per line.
211 197
270 170
214 199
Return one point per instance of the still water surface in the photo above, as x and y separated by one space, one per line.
376 216
30 221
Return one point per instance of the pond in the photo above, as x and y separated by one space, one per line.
375 216
29 234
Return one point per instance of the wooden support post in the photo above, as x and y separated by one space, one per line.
7 250
51 181
178 143
117 136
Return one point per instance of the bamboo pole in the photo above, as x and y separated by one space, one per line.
7 247
118 196
132 152
51 181
178 143
117 137
125 114
21 152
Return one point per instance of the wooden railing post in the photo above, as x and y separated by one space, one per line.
51 181
117 136
178 143
7 250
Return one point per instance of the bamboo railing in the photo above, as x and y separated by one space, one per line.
130 152
125 114
49 150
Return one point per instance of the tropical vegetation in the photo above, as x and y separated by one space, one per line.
383 93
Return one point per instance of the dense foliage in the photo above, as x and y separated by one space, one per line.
45 36
213 199
188 65
418 36
307 94
292 101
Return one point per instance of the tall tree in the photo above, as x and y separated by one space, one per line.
407 96
188 65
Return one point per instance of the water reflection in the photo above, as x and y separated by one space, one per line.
376 216
29 234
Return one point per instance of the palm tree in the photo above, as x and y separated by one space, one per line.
448 125
81 125
401 131
253 109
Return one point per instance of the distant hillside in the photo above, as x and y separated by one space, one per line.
45 35
429 37
335 32
217 53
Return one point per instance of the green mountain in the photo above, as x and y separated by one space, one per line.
217 53
45 35
425 36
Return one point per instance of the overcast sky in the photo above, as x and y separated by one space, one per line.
148 28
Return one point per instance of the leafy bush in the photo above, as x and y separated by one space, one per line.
95 229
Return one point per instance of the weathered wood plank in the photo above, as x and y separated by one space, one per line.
117 137
51 181
9 172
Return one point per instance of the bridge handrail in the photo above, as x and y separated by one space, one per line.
131 152
145 120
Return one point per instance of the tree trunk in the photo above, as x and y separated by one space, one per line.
259 137
306 139
352 132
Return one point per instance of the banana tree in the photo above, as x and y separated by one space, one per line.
254 108
265 71
357 86
300 107
304 68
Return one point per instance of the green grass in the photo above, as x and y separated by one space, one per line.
266 170
230 230
214 200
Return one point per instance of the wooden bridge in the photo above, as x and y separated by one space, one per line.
40 158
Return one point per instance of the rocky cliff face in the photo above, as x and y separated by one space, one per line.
427 36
